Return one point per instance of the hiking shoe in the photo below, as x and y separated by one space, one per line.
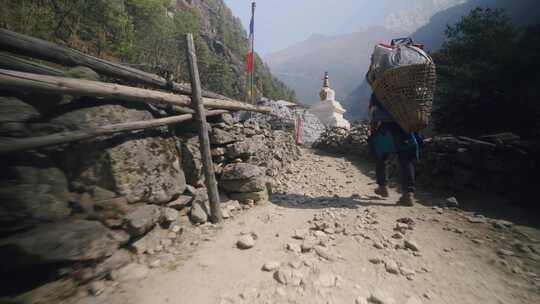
406 199
382 191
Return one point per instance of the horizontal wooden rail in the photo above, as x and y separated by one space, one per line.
80 87
10 62
41 49
10 145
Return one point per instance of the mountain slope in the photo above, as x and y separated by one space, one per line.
416 14
357 103
345 57
522 13
151 35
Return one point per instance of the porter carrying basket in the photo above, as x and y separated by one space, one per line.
407 94
406 90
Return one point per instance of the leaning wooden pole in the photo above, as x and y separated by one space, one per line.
80 87
41 49
11 145
204 138
10 62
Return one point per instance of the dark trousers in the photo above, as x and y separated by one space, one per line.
407 171
407 160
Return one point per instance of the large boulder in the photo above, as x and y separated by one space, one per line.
66 241
198 213
200 206
245 148
143 218
241 171
244 185
192 161
14 115
118 259
82 72
221 137
15 110
142 167
33 195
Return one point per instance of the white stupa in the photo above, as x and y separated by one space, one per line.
329 110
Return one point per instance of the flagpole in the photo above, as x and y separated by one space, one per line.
253 5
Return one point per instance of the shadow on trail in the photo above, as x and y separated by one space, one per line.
323 202
488 204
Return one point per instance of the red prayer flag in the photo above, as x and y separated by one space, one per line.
249 62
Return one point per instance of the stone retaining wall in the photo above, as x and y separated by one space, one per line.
85 211
500 163
283 118
343 141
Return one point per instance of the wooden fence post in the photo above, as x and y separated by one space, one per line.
204 139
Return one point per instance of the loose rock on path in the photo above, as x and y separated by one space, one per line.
326 238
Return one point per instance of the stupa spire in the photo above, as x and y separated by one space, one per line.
328 109
326 83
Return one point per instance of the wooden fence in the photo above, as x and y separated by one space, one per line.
189 100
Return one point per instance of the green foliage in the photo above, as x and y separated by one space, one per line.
100 27
488 77
272 87
150 34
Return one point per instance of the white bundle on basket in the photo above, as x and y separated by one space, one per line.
403 78
400 53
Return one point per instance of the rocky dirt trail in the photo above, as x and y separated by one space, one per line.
325 238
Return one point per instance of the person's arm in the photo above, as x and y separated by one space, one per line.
372 105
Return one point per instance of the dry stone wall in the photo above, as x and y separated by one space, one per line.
502 164
76 213
283 118
343 141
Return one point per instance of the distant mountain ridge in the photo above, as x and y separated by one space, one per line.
345 57
522 13
410 18
432 35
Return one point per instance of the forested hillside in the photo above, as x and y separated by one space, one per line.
150 35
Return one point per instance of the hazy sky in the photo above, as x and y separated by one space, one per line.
280 23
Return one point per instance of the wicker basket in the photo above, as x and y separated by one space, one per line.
407 94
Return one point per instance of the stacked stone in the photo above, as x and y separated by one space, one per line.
280 116
312 128
332 140
503 163
88 206
247 156
245 183
283 118
343 141
89 203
